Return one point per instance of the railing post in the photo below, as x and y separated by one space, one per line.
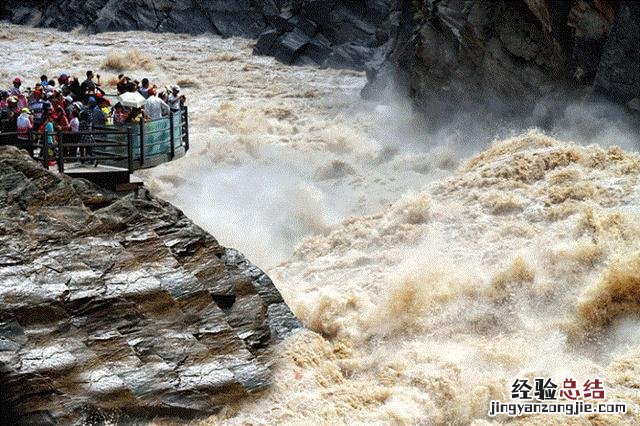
141 141
130 149
172 138
60 153
186 129
45 150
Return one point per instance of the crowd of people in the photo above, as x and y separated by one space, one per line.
68 105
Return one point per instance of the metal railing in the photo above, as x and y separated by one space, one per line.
132 146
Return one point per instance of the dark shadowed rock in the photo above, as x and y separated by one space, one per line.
455 56
119 307
223 17
341 34
289 45
618 75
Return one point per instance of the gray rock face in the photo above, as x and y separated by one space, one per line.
120 307
505 56
223 17
618 74
338 34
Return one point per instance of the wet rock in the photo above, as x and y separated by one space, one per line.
618 75
505 57
289 45
117 307
349 55
338 34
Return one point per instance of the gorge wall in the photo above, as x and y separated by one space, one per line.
120 307
507 56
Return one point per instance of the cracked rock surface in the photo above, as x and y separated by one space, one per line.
121 306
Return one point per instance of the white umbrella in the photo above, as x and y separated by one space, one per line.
132 99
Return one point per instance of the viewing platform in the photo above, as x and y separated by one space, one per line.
108 155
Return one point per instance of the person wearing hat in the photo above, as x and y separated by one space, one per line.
95 113
24 125
155 107
175 99
12 105
15 90
104 107
63 79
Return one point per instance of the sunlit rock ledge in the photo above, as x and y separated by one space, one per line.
121 306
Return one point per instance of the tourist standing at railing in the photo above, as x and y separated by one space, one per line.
155 107
56 99
175 99
63 80
37 107
16 90
95 114
87 139
72 138
103 104
119 114
89 87
49 131
62 123
144 88
76 90
24 125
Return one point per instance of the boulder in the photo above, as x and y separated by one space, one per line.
119 308
288 46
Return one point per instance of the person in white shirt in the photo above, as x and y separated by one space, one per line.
155 107
72 139
24 123
175 99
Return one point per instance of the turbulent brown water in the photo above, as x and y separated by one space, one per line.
430 274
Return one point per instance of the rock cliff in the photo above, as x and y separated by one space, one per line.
119 307
505 56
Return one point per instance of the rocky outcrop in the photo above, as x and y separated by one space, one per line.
119 307
618 73
339 34
506 56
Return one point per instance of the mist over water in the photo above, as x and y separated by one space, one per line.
432 264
